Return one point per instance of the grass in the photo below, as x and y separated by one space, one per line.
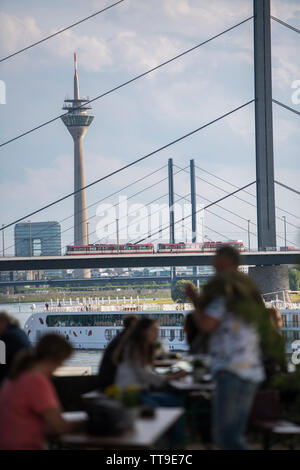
295 297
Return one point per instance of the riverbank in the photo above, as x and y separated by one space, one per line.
45 295
295 297
159 297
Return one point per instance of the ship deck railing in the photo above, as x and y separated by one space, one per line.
283 305
118 308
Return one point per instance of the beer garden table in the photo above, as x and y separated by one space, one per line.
145 433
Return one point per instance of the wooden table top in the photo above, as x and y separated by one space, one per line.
144 434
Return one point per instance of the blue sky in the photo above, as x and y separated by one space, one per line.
115 46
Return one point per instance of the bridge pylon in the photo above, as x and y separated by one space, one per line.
266 225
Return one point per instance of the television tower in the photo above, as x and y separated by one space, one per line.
77 122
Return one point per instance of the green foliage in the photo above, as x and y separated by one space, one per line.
131 396
294 278
244 300
178 291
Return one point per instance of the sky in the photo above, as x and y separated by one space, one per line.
143 116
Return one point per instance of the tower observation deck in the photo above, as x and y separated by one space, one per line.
77 121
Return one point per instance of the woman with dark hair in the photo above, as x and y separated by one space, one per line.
29 407
135 359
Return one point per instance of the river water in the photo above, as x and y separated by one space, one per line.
22 311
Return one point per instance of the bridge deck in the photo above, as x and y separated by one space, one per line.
265 258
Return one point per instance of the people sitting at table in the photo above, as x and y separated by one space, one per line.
29 408
14 339
107 368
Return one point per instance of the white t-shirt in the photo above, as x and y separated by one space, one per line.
133 373
234 344
130 373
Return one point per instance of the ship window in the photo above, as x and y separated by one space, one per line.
295 335
108 319
168 319
108 334
284 334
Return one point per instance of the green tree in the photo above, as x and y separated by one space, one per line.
178 291
294 278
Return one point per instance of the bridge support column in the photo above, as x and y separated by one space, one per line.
173 281
171 211
193 208
271 280
266 227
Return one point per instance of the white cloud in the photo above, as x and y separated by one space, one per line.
285 70
285 10
205 17
39 186
285 129
93 52
16 33
141 52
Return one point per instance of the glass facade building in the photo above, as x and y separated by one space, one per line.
38 239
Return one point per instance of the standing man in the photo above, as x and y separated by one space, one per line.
227 310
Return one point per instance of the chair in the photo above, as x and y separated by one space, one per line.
266 416
70 388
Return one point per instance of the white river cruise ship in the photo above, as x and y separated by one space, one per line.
93 325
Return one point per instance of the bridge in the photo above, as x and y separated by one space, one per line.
256 258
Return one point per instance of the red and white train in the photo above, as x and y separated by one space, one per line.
197 247
148 248
110 249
